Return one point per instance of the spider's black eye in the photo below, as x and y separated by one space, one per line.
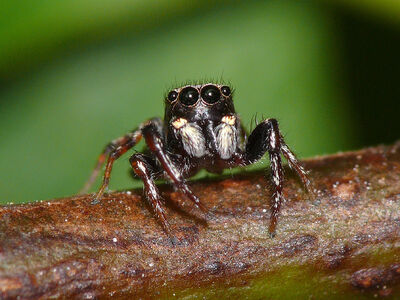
172 95
189 96
226 90
210 94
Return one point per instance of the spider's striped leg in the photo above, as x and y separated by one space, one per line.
266 137
277 178
125 142
297 167
156 145
143 166
114 155
113 151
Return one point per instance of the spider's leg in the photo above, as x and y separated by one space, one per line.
126 142
115 154
266 137
144 167
122 147
155 144
296 166
277 178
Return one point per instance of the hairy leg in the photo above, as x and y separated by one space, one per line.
156 145
296 166
266 137
112 152
144 168
127 141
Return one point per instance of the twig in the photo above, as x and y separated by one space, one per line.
344 243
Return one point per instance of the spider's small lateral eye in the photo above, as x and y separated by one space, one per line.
210 94
189 96
172 96
226 90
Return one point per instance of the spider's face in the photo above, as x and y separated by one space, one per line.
199 102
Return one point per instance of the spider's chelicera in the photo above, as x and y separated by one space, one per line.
200 130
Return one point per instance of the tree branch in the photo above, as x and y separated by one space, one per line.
344 243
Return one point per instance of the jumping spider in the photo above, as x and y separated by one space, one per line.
200 130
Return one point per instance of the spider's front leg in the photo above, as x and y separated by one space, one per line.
266 137
146 168
155 144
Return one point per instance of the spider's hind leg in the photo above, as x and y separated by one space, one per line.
113 149
112 152
114 155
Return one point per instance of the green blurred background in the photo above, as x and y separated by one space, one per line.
75 75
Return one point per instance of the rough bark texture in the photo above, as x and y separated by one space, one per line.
343 243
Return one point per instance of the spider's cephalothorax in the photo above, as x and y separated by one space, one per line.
200 130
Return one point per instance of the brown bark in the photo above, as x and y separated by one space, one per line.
344 243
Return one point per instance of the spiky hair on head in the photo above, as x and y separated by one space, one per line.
205 80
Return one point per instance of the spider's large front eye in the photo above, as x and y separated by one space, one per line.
189 96
210 94
172 95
